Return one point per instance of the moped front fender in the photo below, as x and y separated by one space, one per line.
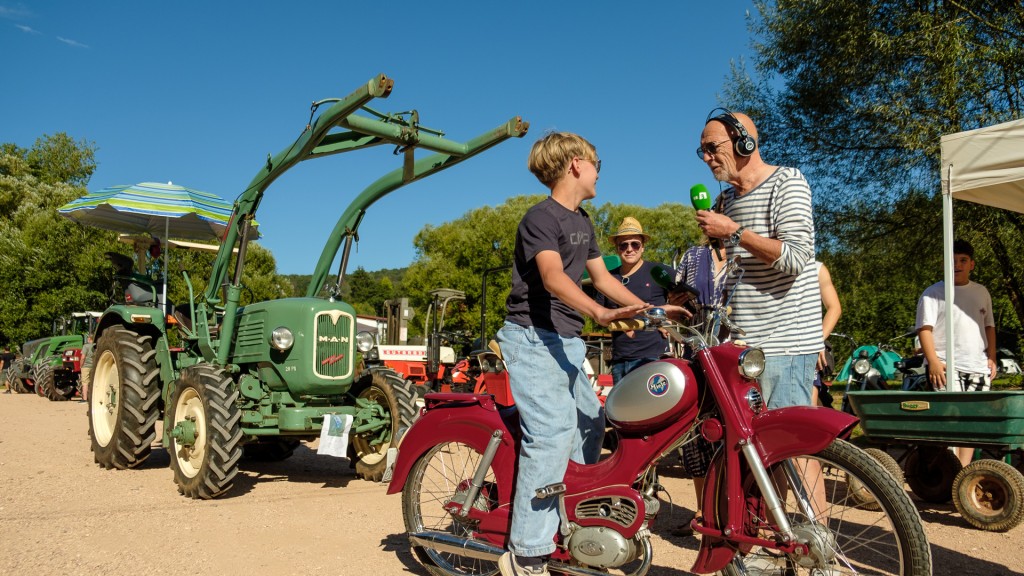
468 419
778 434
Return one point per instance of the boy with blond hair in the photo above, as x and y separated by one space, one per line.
540 341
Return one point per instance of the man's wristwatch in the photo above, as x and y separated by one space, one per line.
734 238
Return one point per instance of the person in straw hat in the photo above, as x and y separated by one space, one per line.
635 274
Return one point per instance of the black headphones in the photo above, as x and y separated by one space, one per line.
743 144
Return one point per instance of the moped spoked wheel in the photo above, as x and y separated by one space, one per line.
444 472
844 537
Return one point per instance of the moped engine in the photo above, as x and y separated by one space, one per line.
601 547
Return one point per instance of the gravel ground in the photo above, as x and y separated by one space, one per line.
62 514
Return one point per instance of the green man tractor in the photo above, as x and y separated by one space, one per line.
41 369
260 378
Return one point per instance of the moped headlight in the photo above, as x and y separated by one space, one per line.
364 341
282 339
861 366
751 363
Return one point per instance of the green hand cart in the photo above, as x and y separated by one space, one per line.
989 492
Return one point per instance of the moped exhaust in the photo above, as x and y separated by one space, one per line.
450 544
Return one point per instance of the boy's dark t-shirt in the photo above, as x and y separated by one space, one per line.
549 226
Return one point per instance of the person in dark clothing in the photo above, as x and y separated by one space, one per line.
635 274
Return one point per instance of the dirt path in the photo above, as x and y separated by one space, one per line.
61 514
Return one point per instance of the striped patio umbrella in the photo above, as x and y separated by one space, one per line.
163 210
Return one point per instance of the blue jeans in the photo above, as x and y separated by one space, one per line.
561 418
622 367
787 380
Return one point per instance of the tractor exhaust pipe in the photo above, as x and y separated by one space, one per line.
451 544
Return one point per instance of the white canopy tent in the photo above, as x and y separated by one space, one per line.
984 166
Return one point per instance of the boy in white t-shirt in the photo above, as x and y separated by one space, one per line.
973 327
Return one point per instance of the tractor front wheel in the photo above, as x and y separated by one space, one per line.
206 432
388 397
124 403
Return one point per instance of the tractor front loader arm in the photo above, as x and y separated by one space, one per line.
449 153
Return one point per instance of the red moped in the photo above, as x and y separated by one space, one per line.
785 493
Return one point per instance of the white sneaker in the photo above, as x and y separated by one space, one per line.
508 566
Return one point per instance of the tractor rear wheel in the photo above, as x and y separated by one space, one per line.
396 402
124 403
18 385
206 442
57 386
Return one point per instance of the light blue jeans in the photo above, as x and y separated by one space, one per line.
787 380
561 418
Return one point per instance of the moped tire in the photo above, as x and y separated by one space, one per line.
989 494
441 474
397 397
930 472
205 458
839 542
124 403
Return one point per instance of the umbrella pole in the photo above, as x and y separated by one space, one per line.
166 255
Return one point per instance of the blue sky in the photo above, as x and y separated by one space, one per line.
199 93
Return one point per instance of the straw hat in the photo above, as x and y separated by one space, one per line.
629 227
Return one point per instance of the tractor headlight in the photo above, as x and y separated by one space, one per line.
364 341
861 366
282 338
751 363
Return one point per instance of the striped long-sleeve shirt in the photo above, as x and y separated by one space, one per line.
778 305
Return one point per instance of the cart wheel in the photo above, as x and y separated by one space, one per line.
857 489
930 471
989 494
888 462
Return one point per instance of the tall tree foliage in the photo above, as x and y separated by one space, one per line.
858 96
49 267
461 253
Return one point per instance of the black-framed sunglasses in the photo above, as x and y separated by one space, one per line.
596 163
711 148
634 244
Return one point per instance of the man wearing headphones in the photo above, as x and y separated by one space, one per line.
764 218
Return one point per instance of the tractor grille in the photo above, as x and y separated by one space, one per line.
334 349
619 510
250 333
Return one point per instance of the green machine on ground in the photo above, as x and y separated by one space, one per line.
40 368
263 376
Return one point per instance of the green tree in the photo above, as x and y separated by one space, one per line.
457 254
857 95
367 292
49 267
